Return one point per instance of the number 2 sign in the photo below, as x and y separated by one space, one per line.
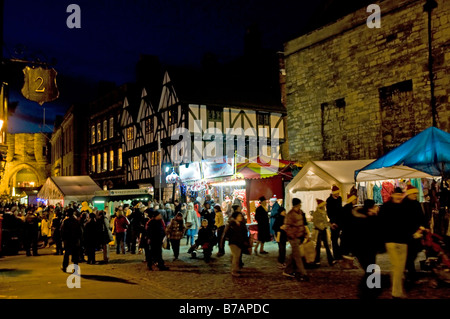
40 84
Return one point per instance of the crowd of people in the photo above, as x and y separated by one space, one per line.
355 232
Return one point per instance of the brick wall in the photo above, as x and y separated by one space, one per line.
355 92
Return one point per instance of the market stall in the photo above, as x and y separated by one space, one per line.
64 189
115 197
316 179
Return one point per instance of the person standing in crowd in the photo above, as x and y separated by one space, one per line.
105 236
120 227
262 218
220 227
206 239
46 229
183 210
366 242
347 213
155 235
56 228
416 224
175 231
192 224
31 232
274 207
170 214
295 228
395 236
134 230
280 236
91 237
237 235
71 235
334 212
321 225
208 214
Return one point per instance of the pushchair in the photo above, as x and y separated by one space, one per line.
205 246
437 256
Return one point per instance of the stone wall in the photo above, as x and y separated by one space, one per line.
355 92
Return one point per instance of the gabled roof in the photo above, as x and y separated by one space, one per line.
82 187
221 89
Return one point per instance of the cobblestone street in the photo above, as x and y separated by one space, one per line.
127 277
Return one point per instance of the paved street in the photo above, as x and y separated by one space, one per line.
126 277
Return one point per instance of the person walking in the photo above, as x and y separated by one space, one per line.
120 227
192 224
155 234
395 236
262 218
347 214
237 235
416 224
134 230
46 229
56 229
295 228
71 235
208 214
334 212
365 243
175 231
105 236
280 236
31 232
321 225
220 227
91 237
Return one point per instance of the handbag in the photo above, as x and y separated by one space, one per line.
166 243
188 225
308 251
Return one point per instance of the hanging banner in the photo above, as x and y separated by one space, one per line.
214 169
40 85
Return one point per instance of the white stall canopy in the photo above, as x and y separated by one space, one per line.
68 188
316 179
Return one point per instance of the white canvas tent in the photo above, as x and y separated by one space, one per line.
316 179
68 188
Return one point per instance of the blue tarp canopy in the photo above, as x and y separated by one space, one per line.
425 155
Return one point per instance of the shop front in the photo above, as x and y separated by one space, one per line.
111 199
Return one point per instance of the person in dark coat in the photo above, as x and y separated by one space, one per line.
415 223
91 237
237 235
134 229
71 235
208 214
155 235
31 233
56 227
205 239
274 207
280 236
262 218
334 212
347 213
364 232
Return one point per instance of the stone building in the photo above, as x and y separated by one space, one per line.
355 92
69 144
26 163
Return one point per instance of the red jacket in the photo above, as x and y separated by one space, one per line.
120 224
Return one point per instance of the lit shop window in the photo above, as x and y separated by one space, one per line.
105 162
93 163
111 160
119 158
130 133
136 163
99 162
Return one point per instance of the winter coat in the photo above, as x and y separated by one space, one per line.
176 229
91 233
279 221
71 231
206 236
155 232
334 209
105 231
414 214
120 224
236 234
210 216
219 219
46 229
191 217
295 223
31 225
262 218
393 220
364 233
320 219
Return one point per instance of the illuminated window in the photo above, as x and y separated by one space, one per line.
105 162
93 163
130 133
93 134
111 127
111 160
155 159
119 158
99 132
136 163
149 126
263 119
99 163
173 116
105 130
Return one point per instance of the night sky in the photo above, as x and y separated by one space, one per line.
113 34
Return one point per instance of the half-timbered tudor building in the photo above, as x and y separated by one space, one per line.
200 104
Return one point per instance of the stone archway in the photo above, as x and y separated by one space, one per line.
10 172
